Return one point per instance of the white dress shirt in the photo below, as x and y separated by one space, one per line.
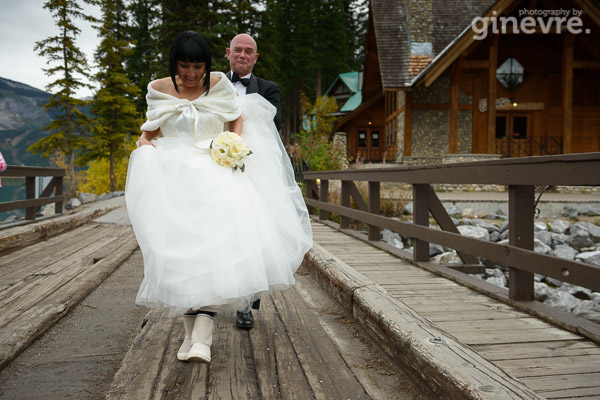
239 86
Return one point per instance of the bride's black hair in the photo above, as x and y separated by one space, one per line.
190 46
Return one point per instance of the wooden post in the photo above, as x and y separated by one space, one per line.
567 93
311 192
346 188
421 217
58 191
30 195
407 123
453 121
323 195
491 125
520 225
374 208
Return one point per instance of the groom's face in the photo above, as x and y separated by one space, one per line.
242 55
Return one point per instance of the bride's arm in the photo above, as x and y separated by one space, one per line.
147 136
236 125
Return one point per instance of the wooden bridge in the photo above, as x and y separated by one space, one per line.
365 320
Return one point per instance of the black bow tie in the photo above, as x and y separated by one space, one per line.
236 78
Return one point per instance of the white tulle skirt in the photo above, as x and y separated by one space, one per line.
211 236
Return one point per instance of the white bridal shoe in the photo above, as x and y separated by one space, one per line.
201 339
188 323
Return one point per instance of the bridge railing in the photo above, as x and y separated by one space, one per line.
521 175
52 193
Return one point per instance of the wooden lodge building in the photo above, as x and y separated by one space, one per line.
430 73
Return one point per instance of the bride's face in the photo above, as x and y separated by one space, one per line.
191 73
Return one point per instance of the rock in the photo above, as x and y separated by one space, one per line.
474 232
560 226
538 277
497 272
542 291
558 239
106 196
481 223
497 280
504 227
590 228
408 209
435 249
85 198
589 257
504 235
541 247
392 238
453 210
494 236
455 221
449 257
503 242
469 212
588 309
72 203
590 211
580 292
540 226
570 211
501 213
544 237
553 282
562 300
565 251
48 210
119 193
579 238
10 218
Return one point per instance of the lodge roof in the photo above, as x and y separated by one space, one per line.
403 53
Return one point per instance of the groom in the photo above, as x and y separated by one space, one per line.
242 56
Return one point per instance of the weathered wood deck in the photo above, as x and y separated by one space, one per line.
551 361
40 283
294 352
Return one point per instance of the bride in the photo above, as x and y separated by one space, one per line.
212 237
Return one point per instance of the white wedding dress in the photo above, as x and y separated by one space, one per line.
209 235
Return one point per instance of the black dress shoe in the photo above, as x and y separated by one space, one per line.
244 320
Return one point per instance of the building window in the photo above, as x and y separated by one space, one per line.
375 139
362 138
510 74
511 127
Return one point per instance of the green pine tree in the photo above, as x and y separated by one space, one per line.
142 64
115 114
65 60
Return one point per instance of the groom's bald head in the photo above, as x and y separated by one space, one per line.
242 54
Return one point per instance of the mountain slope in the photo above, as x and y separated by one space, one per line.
22 118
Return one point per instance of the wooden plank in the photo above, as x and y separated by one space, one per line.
142 364
522 336
20 297
323 367
22 236
572 393
278 370
563 382
514 351
66 294
499 324
584 364
439 316
231 373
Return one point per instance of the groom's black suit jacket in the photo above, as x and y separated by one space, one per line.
267 89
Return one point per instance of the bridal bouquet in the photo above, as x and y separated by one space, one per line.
229 150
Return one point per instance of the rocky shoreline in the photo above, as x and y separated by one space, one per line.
568 236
